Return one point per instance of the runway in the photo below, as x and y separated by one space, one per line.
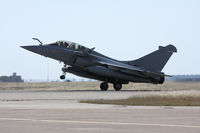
59 111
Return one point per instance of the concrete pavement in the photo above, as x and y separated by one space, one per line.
60 112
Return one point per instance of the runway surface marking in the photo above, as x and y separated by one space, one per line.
99 122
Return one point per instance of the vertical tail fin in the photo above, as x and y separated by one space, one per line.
156 60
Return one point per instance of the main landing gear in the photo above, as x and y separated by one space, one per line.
116 86
104 86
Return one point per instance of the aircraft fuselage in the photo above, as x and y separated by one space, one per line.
88 63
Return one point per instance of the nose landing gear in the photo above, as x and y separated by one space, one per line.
62 77
64 72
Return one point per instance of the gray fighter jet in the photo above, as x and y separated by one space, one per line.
86 62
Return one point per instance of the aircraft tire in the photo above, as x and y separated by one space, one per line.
104 86
117 86
62 77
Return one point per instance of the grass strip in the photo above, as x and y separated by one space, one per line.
151 101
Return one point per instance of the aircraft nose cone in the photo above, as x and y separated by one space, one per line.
35 49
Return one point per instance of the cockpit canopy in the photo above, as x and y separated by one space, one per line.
68 44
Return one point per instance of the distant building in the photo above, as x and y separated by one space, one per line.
184 78
12 78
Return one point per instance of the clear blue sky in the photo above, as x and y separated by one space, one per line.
122 29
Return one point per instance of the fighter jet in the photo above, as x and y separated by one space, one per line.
86 62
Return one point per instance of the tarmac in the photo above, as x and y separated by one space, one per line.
60 112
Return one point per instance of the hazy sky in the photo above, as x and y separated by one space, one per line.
122 29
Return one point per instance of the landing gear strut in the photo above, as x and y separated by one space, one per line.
117 86
104 86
